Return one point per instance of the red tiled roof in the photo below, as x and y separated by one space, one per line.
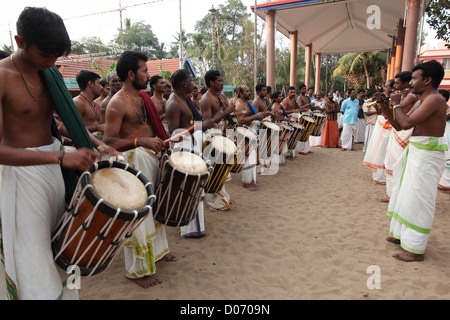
71 65
170 65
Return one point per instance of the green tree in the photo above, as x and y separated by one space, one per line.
139 37
363 69
438 13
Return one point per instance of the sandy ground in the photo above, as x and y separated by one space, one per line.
311 232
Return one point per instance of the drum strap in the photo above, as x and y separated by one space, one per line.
194 110
153 115
229 118
284 111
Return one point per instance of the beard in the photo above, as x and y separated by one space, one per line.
139 86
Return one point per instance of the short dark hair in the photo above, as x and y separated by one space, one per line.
103 83
391 82
84 77
211 75
349 91
292 88
45 30
431 69
260 86
178 77
301 86
275 95
269 88
445 94
154 80
404 76
4 54
129 61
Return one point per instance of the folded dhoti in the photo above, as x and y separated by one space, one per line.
149 242
413 200
33 202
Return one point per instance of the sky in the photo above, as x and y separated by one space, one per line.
162 15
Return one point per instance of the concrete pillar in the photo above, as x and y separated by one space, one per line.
294 53
400 45
388 71
318 70
393 57
271 49
412 22
308 50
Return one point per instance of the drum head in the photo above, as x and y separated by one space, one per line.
187 162
119 189
308 119
246 133
319 115
297 126
271 126
223 144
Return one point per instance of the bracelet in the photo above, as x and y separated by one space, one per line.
393 109
135 143
61 157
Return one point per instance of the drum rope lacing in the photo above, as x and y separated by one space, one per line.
125 232
193 197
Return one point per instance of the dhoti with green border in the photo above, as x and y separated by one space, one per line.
413 200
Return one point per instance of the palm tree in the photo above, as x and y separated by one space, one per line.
363 69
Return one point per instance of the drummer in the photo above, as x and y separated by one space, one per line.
181 114
246 114
134 126
261 103
277 108
305 107
215 108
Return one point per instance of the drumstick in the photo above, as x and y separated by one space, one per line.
181 134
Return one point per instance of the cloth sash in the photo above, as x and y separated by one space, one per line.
229 117
416 176
66 109
153 116
284 111
194 110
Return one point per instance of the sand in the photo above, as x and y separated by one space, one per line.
311 232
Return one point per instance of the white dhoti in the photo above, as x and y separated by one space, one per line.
398 141
348 133
149 242
32 204
316 141
376 150
413 201
197 226
249 171
369 131
303 147
360 131
444 183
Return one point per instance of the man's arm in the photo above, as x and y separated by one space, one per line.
408 121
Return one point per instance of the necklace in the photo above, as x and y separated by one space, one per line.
36 99
143 117
186 106
92 104
215 98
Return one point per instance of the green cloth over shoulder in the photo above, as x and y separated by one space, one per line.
66 109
